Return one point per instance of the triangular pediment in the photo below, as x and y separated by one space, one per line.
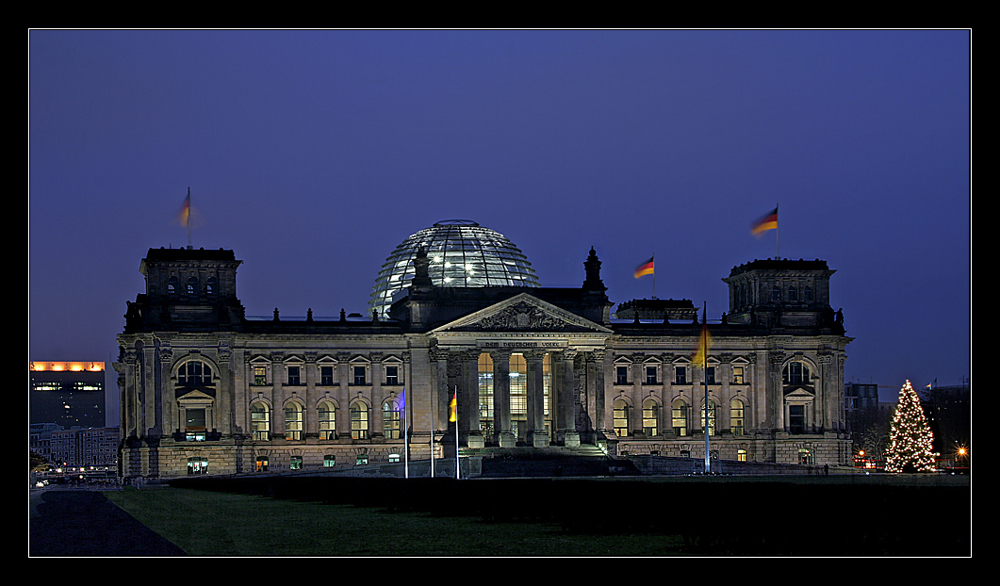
799 393
523 313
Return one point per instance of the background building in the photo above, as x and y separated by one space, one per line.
69 394
204 390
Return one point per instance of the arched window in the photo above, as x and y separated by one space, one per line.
795 373
807 294
260 421
192 286
709 427
775 293
172 284
327 421
679 416
793 294
620 415
736 417
194 373
359 421
391 420
293 421
211 286
650 417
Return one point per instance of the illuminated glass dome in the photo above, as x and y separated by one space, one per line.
462 254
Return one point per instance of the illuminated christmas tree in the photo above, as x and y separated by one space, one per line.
910 439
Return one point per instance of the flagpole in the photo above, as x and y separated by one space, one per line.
457 467
704 378
406 441
188 219
777 240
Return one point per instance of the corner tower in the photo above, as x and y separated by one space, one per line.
783 294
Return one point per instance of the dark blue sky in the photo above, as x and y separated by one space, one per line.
312 154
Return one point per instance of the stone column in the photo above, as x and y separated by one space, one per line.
472 426
536 400
566 402
501 400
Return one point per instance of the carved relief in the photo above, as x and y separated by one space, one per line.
521 316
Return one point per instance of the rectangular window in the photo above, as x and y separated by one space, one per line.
737 375
359 375
329 461
796 419
392 375
326 376
650 375
296 463
680 375
622 375
710 375
294 378
259 375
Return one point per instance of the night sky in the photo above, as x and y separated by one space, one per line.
312 154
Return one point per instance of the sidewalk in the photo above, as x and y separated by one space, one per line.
80 522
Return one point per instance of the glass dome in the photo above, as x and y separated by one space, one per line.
462 254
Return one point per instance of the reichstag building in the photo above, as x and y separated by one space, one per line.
457 312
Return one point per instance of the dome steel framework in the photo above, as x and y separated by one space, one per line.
462 254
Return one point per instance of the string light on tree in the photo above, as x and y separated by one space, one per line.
910 439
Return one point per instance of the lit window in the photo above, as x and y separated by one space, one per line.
194 425
736 417
485 369
650 412
391 421
737 375
361 460
295 463
329 461
620 414
293 421
741 455
192 286
261 463
259 375
327 421
260 421
197 465
394 458
211 286
359 421
805 457
711 418
679 417
172 285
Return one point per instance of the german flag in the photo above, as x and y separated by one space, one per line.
184 217
644 269
767 222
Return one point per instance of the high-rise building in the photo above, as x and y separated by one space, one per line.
206 390
69 394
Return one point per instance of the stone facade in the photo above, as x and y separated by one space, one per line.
204 390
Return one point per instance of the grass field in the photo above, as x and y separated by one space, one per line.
205 523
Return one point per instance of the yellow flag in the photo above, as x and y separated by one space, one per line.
453 408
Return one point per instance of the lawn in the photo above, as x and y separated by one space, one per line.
207 523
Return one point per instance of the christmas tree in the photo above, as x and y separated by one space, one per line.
910 438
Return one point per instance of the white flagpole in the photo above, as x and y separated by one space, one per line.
406 441
458 468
